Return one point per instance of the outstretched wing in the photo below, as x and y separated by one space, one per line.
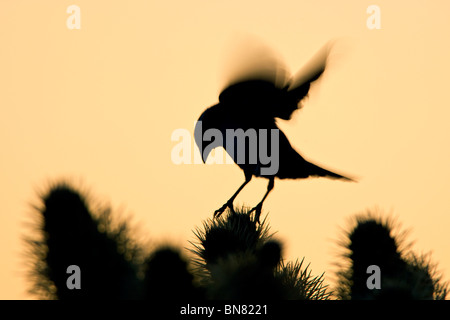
256 76
251 59
299 85
262 87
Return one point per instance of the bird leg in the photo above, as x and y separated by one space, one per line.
258 207
229 203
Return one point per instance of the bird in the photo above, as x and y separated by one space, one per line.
247 111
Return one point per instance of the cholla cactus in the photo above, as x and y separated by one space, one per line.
234 257
70 234
168 276
238 258
374 241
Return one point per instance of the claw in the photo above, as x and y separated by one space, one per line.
257 210
218 212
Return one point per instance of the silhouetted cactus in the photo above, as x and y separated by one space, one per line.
167 276
238 259
403 276
234 257
70 235
299 284
229 234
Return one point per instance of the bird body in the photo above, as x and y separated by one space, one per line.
291 165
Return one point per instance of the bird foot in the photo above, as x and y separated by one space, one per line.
218 212
257 210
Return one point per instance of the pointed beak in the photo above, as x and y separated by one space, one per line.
198 136
203 155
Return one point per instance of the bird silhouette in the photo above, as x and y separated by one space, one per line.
245 121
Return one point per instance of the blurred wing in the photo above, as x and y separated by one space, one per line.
259 85
301 81
255 77
251 59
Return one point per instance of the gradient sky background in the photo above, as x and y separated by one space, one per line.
98 105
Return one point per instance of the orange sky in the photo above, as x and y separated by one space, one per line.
99 105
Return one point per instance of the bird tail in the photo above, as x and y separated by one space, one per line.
316 171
